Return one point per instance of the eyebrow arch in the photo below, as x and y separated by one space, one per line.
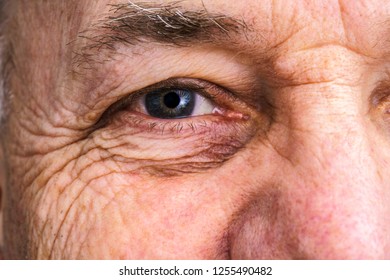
134 23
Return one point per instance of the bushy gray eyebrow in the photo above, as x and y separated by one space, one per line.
133 23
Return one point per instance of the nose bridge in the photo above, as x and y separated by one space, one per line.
319 122
328 200
327 130
332 199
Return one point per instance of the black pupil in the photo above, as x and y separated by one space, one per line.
171 100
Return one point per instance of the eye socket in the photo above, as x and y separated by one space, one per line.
175 103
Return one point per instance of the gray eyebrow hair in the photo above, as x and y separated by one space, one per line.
133 23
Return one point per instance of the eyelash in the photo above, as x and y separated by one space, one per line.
216 94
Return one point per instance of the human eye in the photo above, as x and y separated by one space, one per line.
176 126
175 103
177 100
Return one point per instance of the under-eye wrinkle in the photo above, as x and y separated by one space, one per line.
144 154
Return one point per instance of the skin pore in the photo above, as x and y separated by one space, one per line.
290 163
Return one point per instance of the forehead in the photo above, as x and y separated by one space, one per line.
359 25
41 31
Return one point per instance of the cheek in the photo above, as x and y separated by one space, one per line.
160 220
126 192
98 211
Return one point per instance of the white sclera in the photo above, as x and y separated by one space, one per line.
202 106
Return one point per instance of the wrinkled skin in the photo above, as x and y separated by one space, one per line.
304 175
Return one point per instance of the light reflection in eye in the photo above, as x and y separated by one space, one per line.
175 103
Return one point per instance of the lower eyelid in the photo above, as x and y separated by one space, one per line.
148 124
141 147
135 122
